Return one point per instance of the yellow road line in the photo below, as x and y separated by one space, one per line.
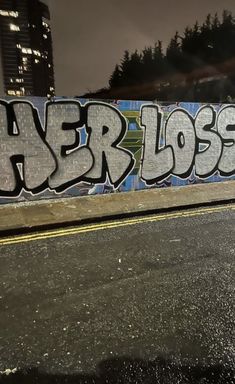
110 225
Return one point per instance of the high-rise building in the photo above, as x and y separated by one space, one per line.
26 62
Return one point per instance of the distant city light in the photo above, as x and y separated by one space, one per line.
27 50
12 92
14 27
37 53
27 46
8 13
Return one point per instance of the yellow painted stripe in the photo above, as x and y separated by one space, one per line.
110 225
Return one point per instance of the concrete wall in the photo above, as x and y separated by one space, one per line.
77 147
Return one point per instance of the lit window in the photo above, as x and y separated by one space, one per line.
8 13
19 80
49 65
11 80
18 46
14 14
24 59
45 36
36 61
12 92
19 93
4 13
52 89
14 27
37 53
27 50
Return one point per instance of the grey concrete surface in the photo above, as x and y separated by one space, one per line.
149 303
57 212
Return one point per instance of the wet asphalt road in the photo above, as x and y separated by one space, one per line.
132 299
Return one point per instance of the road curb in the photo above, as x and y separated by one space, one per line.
34 216
106 218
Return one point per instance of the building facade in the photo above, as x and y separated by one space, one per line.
26 65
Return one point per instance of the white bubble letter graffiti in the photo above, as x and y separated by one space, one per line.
209 142
226 129
62 134
22 142
180 135
107 127
157 162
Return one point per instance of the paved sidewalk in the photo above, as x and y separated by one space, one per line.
57 212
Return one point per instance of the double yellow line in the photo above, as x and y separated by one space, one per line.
110 225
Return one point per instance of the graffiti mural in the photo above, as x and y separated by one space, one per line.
204 144
71 147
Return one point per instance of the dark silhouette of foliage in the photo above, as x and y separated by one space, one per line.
202 52
115 77
159 60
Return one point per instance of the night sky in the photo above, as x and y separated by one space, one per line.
90 36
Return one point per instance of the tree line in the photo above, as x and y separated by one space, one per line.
199 47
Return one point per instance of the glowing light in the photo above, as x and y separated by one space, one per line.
37 53
12 92
8 13
14 28
27 50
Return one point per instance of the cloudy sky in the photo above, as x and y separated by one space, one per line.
90 36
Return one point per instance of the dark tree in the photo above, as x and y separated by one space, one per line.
136 68
174 55
204 52
158 61
115 78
